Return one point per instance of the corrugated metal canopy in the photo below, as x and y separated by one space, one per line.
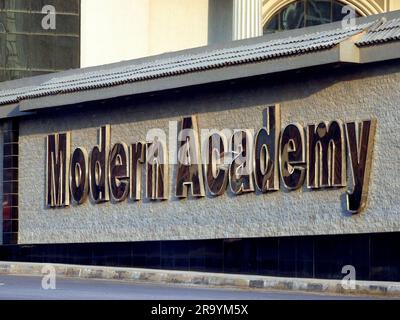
381 32
194 63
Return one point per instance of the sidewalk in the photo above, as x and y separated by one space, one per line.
244 282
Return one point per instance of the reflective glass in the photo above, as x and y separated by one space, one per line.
318 12
292 17
272 25
26 49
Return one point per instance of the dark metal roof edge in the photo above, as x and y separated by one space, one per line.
267 67
286 49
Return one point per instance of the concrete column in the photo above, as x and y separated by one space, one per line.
247 19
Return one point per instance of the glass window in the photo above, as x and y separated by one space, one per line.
27 49
304 13
318 12
292 17
272 25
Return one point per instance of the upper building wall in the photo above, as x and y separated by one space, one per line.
113 32
393 5
139 28
177 25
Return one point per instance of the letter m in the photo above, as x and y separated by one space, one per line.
326 160
58 154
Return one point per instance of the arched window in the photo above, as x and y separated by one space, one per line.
305 13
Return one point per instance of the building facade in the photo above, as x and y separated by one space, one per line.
116 164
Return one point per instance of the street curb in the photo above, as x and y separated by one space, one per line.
244 282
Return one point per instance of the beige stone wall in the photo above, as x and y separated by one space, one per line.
177 24
113 31
393 5
352 95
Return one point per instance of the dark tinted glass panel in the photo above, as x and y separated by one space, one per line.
374 256
16 4
318 12
16 21
65 24
197 261
3 50
7 226
17 51
10 162
175 255
43 50
272 26
339 12
2 24
26 49
68 24
292 17
10 213
62 6
240 256
268 256
214 255
14 226
10 187
17 74
67 53
10 149
36 24
10 200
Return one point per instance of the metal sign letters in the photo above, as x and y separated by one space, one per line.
315 156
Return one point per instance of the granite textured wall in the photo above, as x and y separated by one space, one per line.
345 94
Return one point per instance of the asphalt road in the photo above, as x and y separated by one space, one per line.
29 288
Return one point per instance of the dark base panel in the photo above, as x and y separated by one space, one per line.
374 256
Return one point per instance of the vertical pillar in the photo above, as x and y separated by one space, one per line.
10 182
247 17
